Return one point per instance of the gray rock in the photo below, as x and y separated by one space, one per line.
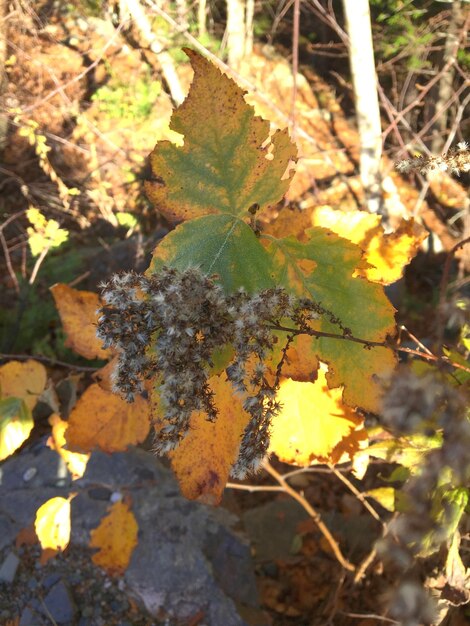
188 560
9 567
59 604
30 617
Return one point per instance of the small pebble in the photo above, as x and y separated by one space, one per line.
116 496
29 474
9 567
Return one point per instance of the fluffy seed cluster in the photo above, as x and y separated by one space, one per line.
454 162
424 405
169 326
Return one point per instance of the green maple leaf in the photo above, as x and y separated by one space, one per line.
322 269
228 162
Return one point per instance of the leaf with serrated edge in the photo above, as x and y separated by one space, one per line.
388 254
229 159
221 245
322 269
79 316
203 460
102 419
313 424
115 538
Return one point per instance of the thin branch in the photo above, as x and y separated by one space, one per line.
47 359
313 514
358 494
9 265
252 488
370 344
443 289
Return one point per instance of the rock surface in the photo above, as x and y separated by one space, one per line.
188 560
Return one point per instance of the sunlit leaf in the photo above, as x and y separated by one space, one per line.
385 496
43 234
220 245
388 254
229 160
102 419
78 313
115 538
75 461
203 460
52 524
16 423
314 425
322 268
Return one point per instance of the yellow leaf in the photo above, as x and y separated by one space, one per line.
386 496
203 460
314 424
103 419
387 254
24 380
75 461
16 423
115 538
52 524
78 313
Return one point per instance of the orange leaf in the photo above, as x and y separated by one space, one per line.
78 313
388 254
52 524
203 460
23 380
103 419
75 461
314 425
115 538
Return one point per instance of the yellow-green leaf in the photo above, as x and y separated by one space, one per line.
229 159
323 269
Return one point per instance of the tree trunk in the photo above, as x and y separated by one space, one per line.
249 23
235 32
446 82
3 77
364 78
134 9
201 17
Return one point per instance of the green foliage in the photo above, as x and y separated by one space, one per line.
128 101
402 26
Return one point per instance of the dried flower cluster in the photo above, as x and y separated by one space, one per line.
455 162
425 405
169 326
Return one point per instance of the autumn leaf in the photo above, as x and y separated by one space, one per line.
103 419
322 268
229 159
79 316
314 425
16 424
221 245
21 384
115 538
52 524
25 380
388 254
76 462
203 460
